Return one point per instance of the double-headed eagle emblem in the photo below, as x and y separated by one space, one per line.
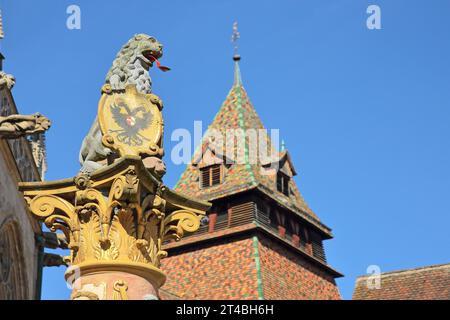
130 122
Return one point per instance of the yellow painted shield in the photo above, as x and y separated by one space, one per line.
130 123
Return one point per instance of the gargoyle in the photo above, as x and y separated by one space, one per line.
7 80
18 125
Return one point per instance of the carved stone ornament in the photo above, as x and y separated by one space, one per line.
7 80
115 223
17 125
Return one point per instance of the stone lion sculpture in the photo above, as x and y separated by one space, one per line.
130 67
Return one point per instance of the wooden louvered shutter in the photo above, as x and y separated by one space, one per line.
211 176
242 214
317 246
205 177
216 177
222 220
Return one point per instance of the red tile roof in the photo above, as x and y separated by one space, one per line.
237 112
427 283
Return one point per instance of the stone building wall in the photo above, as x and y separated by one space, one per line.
18 252
18 249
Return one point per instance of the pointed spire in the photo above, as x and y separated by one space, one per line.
237 74
249 170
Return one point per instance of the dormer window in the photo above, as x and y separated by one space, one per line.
211 175
283 183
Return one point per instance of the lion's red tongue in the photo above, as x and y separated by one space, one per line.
158 64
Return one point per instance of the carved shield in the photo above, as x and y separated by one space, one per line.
130 123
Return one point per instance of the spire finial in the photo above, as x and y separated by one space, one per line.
234 38
2 35
236 57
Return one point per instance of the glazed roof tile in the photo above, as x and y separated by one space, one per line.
237 112
426 283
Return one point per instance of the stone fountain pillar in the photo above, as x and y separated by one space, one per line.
117 213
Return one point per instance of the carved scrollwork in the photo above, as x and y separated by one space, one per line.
125 188
82 181
178 222
57 214
114 226
113 219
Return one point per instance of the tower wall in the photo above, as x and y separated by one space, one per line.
288 276
223 271
282 255
250 268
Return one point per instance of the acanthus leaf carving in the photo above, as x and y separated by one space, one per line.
118 217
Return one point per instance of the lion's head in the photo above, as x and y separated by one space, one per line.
143 47
133 60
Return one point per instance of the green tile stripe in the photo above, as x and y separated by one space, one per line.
248 167
258 269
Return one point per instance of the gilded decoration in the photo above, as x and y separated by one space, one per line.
118 217
116 213
131 122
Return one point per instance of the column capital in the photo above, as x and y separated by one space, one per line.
115 222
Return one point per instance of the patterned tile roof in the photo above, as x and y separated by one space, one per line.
237 112
427 283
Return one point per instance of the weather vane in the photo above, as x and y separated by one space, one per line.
2 35
234 38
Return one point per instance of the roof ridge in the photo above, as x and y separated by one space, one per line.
241 124
238 113
405 271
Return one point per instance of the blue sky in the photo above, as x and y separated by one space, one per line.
364 113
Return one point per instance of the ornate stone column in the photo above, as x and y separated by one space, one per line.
116 214
115 223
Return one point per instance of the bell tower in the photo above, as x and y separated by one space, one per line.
261 239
